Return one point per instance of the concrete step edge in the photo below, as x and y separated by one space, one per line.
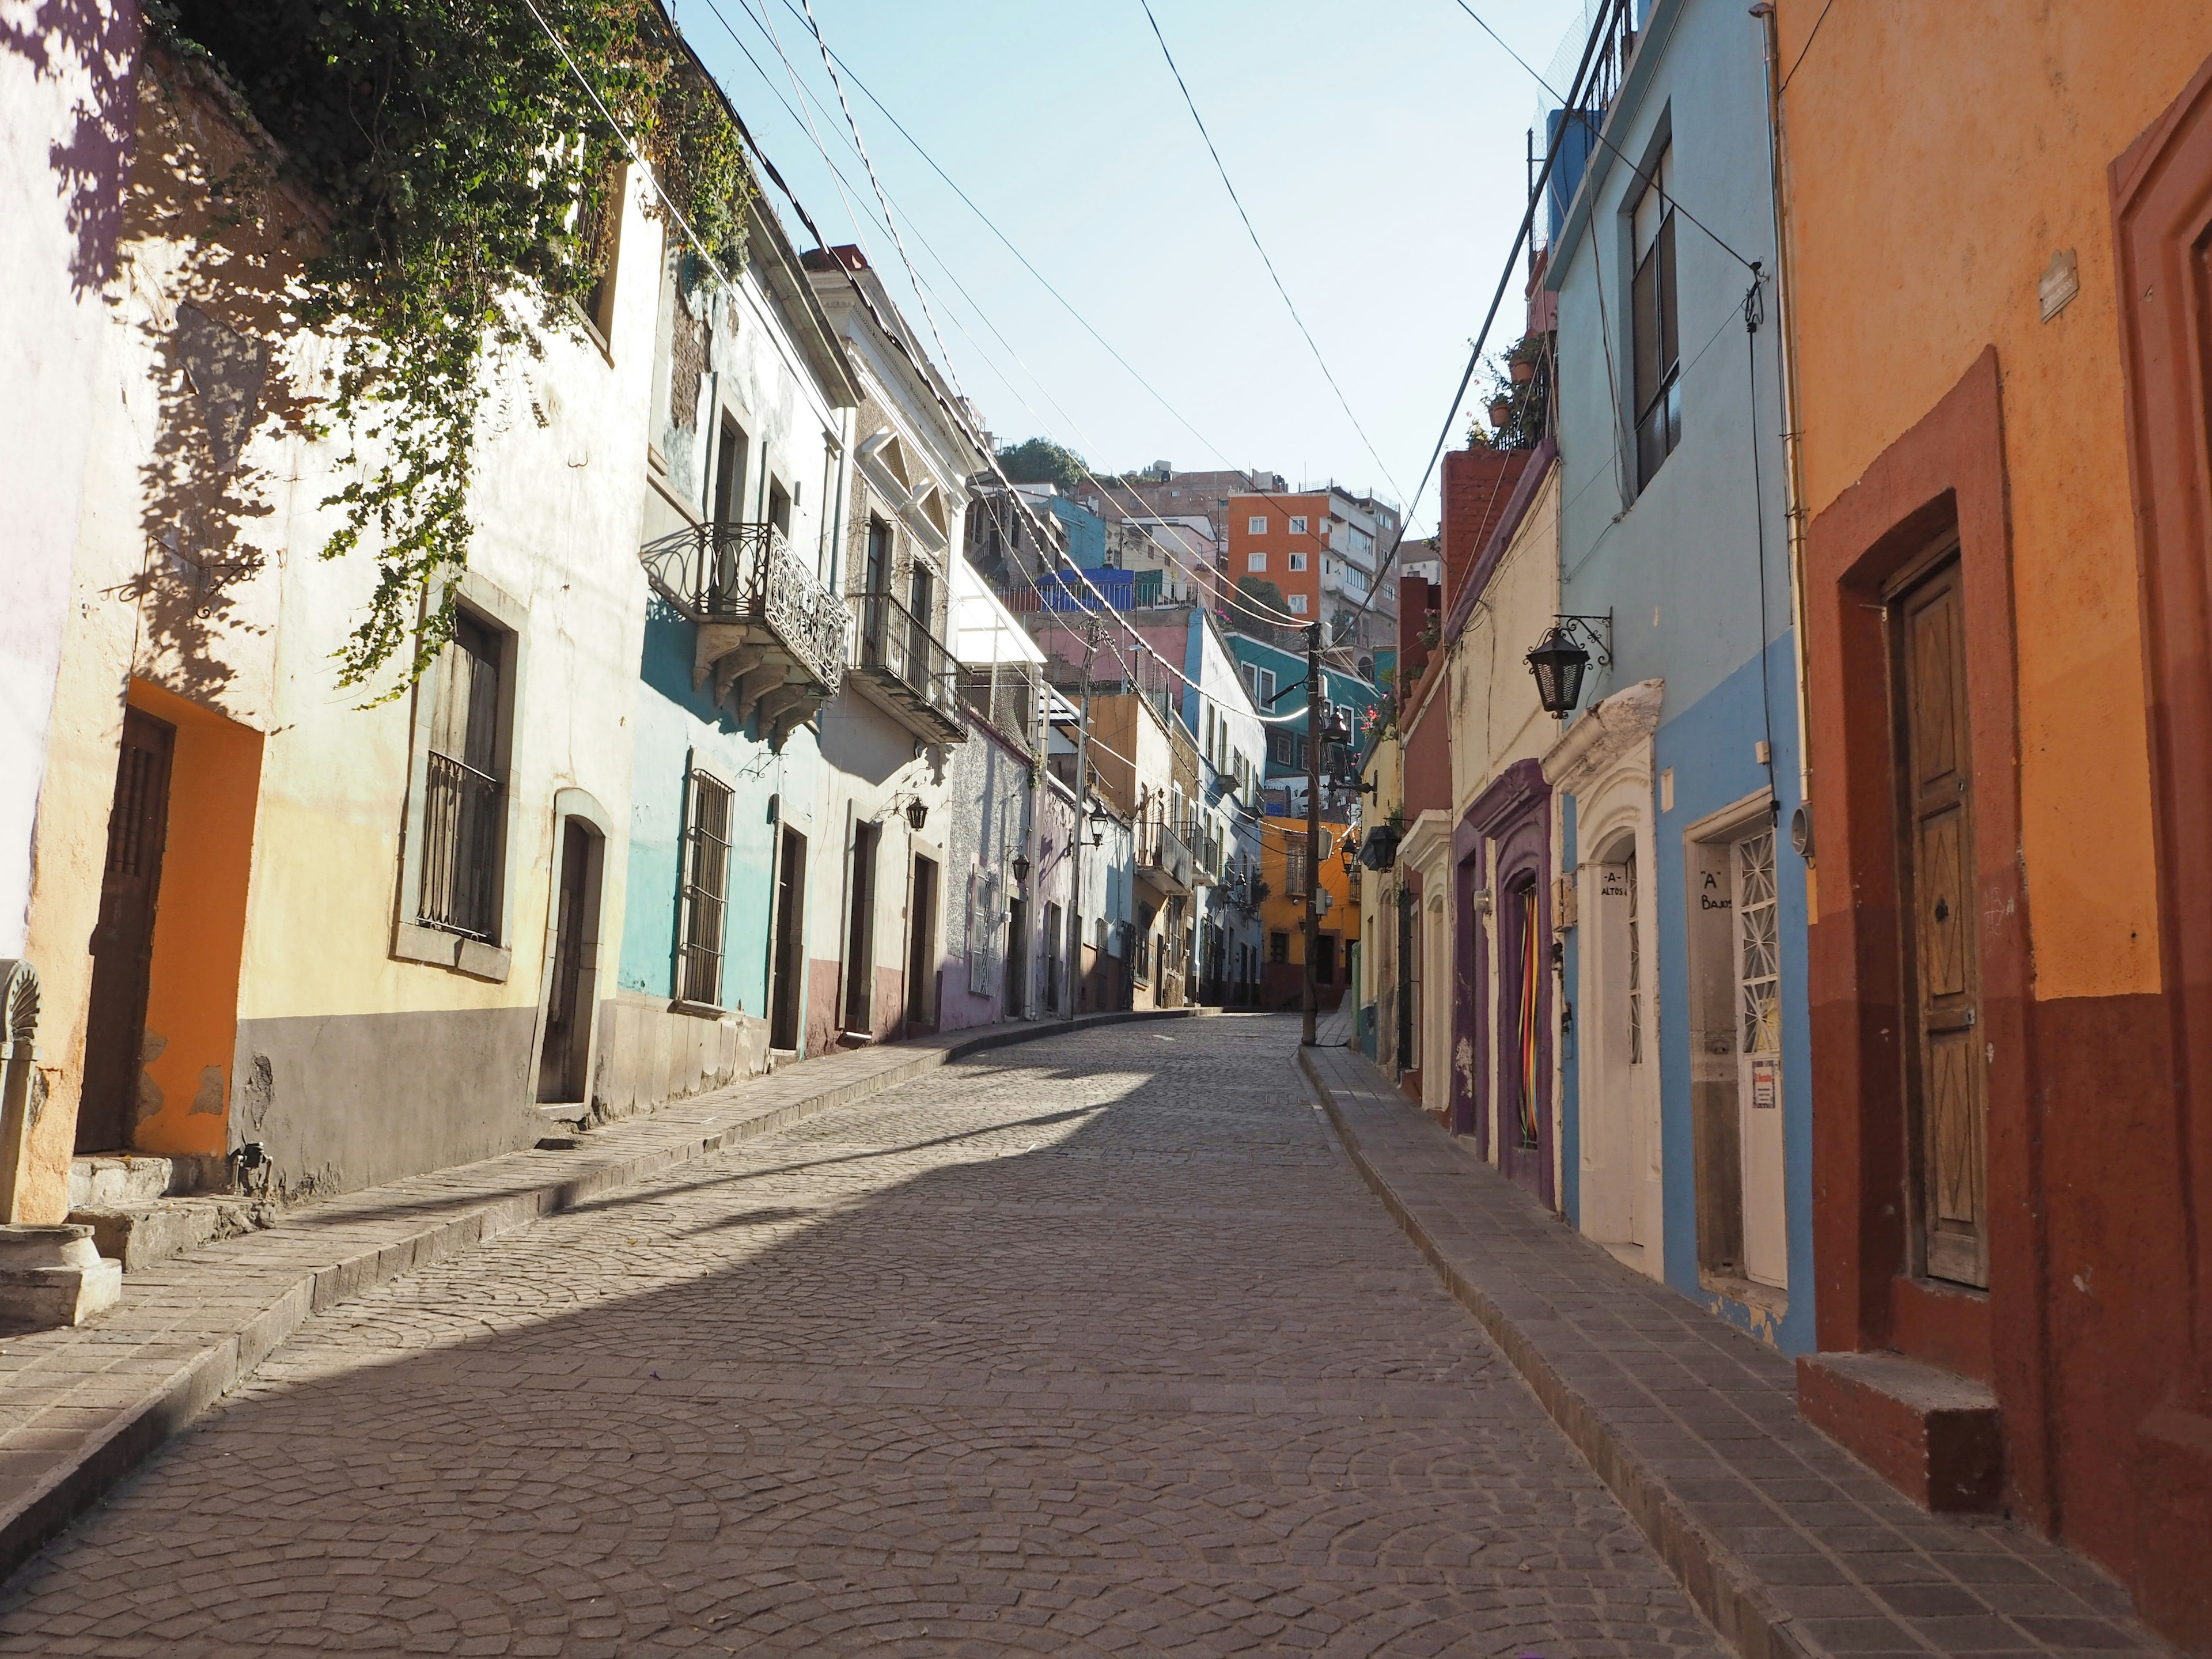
1732 1597
112 1452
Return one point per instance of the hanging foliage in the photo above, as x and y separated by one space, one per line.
469 173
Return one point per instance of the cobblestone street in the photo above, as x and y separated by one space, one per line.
1098 1346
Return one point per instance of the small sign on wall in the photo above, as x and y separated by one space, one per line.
1766 1085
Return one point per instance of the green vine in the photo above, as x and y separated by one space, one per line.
469 174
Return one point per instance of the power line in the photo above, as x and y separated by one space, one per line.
1596 132
913 277
1249 230
1504 277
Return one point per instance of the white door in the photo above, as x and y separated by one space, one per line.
1759 1060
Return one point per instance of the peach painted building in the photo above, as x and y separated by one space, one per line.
1996 218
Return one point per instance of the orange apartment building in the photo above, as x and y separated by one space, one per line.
1283 539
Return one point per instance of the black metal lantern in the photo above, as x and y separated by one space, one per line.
1378 848
917 812
1559 665
1350 851
1097 821
1021 869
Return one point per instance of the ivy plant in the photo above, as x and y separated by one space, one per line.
468 166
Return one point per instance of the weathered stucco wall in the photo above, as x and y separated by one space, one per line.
1920 240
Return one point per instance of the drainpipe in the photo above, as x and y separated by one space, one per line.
1793 469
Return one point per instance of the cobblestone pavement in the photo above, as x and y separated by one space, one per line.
1096 1347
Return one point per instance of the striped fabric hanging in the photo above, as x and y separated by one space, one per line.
1531 984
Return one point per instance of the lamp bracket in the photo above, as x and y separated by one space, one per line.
1595 633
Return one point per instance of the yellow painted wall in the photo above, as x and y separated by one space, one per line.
1938 156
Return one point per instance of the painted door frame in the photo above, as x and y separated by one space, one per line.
1508 828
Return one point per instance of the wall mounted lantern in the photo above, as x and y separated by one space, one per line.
1350 851
1021 869
1097 821
1559 660
917 812
1378 848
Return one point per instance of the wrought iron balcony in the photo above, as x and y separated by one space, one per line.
907 667
773 638
1164 857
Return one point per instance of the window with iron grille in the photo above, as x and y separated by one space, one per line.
464 816
1294 869
705 890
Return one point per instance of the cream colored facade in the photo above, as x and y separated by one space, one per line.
292 999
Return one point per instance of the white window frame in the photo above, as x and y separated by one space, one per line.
1297 561
1255 562
1256 526
1298 605
1298 524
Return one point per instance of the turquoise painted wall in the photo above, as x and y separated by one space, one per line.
674 724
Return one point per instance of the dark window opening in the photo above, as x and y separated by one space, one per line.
1657 344
463 819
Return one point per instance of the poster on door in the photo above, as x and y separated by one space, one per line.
1766 1085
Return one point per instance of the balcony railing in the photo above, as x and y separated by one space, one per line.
897 652
746 574
1164 856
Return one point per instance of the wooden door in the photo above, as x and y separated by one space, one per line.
123 943
1522 1122
921 947
567 1010
788 962
1946 1085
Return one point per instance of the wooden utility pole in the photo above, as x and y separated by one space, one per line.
1314 728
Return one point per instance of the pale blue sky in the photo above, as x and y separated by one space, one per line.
1379 149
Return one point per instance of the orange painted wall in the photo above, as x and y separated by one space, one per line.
1279 914
1939 155
1278 544
199 929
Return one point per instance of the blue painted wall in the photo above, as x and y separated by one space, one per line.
1289 667
1695 598
674 721
1087 532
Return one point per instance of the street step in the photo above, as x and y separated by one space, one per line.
122 1181
147 1233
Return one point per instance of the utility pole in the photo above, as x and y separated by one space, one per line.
1074 978
1312 1003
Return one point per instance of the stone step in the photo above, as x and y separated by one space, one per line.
122 1181
143 1234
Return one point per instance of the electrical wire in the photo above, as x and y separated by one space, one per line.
1800 59
958 418
834 62
1598 133
1249 230
1504 277
1203 581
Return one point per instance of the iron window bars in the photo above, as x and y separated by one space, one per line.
706 892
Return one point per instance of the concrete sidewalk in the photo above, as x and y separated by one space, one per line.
1786 1543
80 1408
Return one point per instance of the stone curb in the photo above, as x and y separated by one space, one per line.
1724 1589
114 1452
